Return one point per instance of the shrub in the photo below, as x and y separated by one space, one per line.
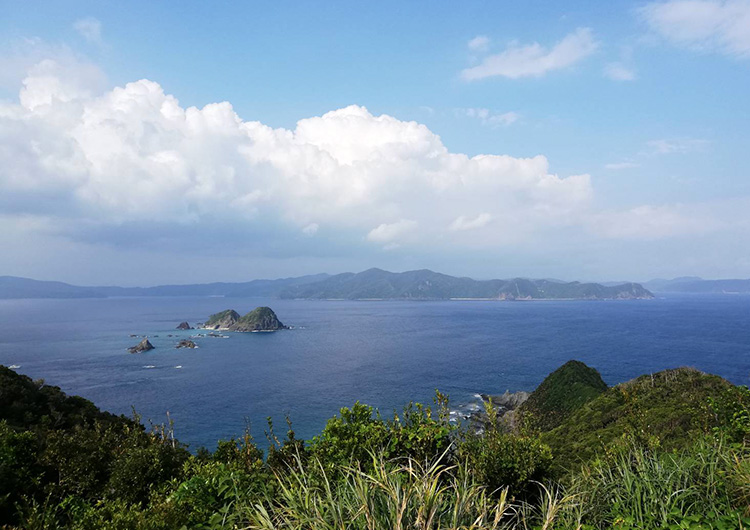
360 431
20 474
498 459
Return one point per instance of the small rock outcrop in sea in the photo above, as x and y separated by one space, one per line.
141 347
259 319
223 320
184 325
185 343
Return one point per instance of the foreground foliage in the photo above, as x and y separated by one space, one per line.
663 451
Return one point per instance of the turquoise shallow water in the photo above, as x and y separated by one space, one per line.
381 353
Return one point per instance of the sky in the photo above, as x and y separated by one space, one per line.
144 143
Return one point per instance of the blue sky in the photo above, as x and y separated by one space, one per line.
637 114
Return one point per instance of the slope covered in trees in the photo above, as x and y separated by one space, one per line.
667 450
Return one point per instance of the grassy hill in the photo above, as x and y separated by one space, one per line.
666 409
561 393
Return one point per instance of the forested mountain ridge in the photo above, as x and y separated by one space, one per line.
428 285
371 284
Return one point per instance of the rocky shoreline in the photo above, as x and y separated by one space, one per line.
475 414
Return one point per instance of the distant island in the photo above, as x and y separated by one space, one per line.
372 284
691 284
377 284
259 319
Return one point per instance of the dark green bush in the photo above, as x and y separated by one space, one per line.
498 459
20 472
358 433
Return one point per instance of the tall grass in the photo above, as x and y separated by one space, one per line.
646 488
393 496
704 487
635 488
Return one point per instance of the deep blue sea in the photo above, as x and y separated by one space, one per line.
381 353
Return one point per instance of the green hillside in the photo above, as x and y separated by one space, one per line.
562 392
668 450
259 319
28 404
222 320
666 409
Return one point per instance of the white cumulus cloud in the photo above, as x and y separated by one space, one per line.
708 25
130 172
134 155
534 60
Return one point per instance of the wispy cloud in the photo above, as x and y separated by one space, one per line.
649 222
534 60
90 29
462 223
487 117
311 229
621 165
391 232
679 145
619 72
708 25
480 43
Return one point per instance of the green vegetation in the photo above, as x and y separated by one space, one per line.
668 450
563 391
222 320
372 283
664 410
259 319
429 285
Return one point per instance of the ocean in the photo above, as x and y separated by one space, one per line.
383 353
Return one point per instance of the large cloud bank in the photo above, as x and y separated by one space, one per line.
134 155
